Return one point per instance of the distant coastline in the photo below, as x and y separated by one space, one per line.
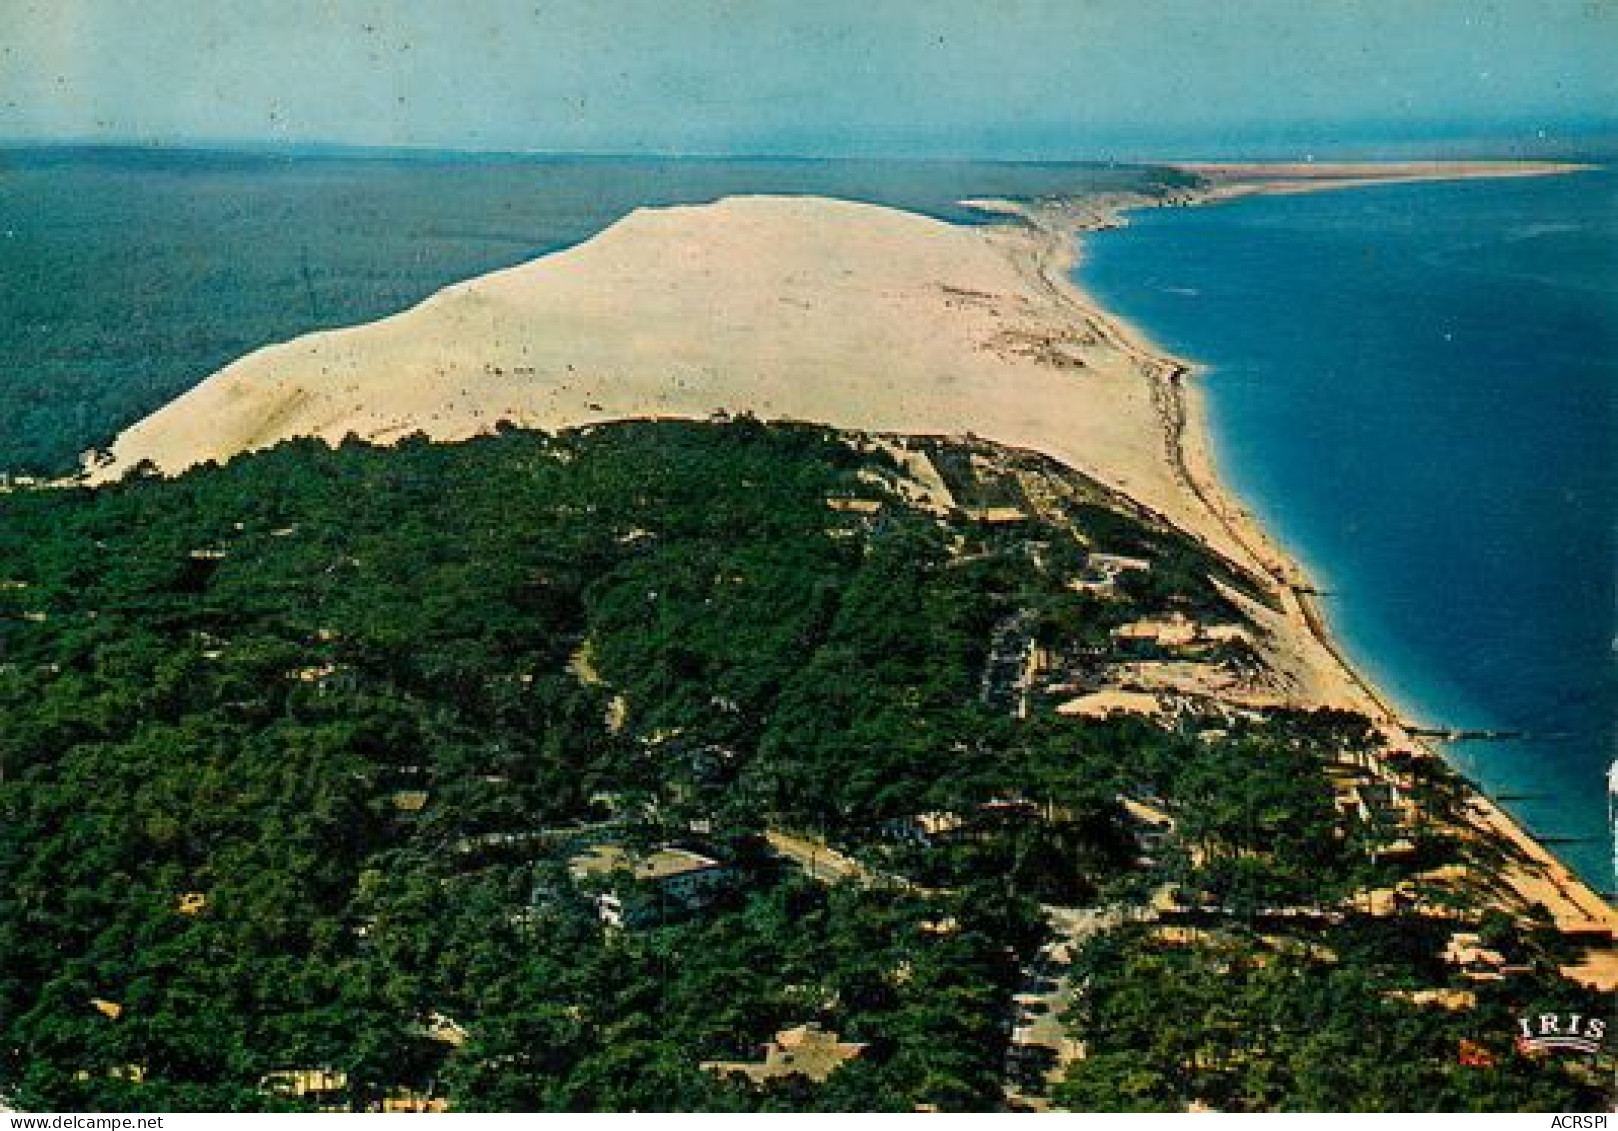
1227 179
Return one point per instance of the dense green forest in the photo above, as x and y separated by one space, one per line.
1255 1023
294 754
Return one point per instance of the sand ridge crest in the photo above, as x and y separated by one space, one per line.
808 308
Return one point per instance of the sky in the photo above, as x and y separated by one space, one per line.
990 78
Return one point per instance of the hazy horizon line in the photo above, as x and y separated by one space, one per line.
1571 139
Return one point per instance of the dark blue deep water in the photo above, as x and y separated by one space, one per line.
1413 386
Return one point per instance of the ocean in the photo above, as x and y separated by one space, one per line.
129 275
1413 387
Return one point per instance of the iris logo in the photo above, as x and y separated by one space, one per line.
1547 1032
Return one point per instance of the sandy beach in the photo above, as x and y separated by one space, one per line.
857 316
1301 639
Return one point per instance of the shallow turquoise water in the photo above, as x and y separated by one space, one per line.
1414 386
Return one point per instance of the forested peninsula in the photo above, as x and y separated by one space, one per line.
567 771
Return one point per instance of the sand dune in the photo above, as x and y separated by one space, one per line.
789 308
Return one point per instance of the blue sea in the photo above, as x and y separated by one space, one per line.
1413 386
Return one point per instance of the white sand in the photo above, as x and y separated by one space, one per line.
789 308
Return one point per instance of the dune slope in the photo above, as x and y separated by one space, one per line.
788 308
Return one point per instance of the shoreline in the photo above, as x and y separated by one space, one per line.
1535 875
